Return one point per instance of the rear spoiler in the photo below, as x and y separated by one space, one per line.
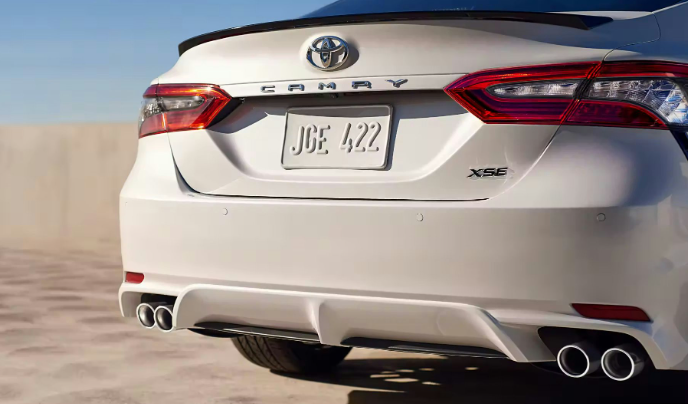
575 21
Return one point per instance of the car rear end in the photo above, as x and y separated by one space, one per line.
488 183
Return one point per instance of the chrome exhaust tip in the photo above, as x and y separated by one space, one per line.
163 317
579 360
623 362
146 315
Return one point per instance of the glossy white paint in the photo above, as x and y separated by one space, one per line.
400 49
522 256
416 252
434 144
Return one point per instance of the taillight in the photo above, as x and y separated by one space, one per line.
630 94
175 107
539 94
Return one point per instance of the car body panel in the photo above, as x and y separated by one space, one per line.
519 252
418 251
242 154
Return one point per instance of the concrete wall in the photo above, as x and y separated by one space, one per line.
59 185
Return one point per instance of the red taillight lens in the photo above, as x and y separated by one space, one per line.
610 312
630 94
133 277
175 107
613 114
643 69
539 94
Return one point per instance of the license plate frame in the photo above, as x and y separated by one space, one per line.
354 137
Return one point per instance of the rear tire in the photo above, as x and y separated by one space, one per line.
290 356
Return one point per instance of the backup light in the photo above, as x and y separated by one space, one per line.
629 94
175 107
563 88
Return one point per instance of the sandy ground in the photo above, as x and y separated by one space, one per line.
62 341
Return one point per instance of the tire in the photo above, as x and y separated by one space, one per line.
290 356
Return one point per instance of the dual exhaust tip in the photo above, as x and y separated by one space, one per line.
620 363
151 315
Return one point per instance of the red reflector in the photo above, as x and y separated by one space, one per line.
133 277
609 113
609 312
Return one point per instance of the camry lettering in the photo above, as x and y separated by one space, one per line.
323 86
299 87
358 84
398 83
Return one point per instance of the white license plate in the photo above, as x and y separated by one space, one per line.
337 137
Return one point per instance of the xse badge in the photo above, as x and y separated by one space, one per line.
491 172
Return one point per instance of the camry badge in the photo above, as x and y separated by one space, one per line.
330 53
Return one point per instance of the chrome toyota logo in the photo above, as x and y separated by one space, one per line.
328 53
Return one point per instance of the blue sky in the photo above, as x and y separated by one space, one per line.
90 60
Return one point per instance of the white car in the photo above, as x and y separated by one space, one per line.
509 181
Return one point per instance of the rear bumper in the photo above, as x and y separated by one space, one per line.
336 318
485 274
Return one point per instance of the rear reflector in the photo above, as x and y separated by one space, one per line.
175 107
133 277
628 94
609 312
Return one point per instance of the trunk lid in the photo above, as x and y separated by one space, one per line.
431 143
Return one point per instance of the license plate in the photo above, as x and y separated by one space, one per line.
337 137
